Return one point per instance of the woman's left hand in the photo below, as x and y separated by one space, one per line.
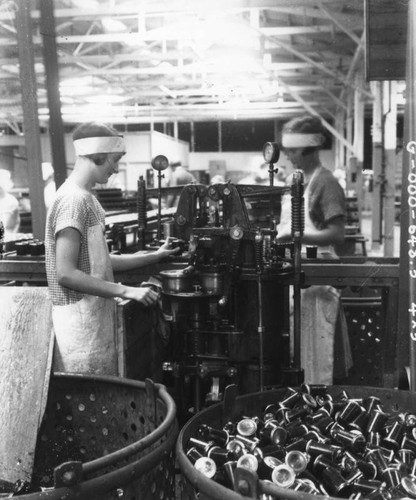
165 250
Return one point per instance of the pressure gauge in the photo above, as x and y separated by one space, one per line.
160 162
271 152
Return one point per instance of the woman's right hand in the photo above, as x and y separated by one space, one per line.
145 295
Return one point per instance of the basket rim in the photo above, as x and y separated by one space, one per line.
162 429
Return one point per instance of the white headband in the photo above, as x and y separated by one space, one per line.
93 145
302 140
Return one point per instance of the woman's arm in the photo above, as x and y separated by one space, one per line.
68 275
141 259
333 234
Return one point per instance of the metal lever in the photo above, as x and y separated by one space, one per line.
236 234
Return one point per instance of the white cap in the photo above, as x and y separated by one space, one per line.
94 145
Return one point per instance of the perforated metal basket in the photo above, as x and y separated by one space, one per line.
194 485
106 438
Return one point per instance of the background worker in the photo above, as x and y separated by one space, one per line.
177 175
9 205
324 335
78 264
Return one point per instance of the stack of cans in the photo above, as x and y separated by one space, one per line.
315 443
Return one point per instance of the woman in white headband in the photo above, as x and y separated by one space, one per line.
324 333
78 264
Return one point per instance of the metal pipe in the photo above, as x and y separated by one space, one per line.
298 224
258 242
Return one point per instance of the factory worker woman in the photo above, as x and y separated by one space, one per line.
78 264
325 350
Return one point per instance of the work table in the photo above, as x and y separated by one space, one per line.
346 271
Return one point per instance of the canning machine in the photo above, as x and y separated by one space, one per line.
228 305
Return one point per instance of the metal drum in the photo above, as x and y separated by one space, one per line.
196 485
105 437
176 281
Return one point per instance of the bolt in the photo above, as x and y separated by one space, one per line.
243 487
68 477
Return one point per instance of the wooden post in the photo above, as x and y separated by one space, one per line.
30 117
219 136
377 161
192 145
349 135
359 145
56 128
390 133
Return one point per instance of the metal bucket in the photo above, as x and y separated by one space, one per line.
197 486
105 437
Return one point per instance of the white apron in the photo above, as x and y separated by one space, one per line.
322 316
85 331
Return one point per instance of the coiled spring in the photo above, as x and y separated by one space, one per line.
298 209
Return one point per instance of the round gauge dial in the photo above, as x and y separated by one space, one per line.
160 162
271 152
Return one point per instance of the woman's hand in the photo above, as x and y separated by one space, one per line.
165 250
284 233
145 295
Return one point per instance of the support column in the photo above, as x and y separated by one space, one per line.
359 145
219 136
56 128
390 139
377 162
349 136
30 116
192 145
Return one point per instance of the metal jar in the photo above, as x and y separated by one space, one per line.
212 282
176 281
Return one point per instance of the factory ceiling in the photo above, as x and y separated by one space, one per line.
147 61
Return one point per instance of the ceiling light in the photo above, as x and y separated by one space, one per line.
105 99
86 4
113 25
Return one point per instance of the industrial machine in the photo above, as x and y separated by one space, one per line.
228 305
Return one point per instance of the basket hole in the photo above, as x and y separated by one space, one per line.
125 436
69 417
81 407
69 439
153 488
92 397
124 414
82 429
105 431
142 420
133 427
93 441
93 418
58 406
68 396
104 410
82 450
133 405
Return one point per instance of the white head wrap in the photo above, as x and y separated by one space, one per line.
299 140
94 145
